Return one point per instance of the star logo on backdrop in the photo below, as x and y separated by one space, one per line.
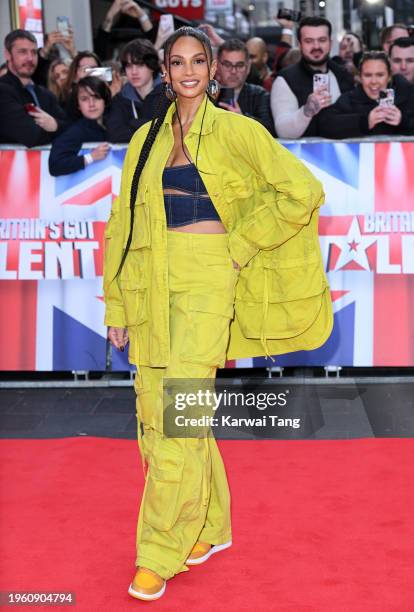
353 247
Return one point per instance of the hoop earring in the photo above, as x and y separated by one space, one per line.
213 88
169 92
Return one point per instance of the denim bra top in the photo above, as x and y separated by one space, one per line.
193 204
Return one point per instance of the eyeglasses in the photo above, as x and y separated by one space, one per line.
239 66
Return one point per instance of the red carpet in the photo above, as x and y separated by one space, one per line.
319 526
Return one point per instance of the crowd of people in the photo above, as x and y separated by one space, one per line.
60 96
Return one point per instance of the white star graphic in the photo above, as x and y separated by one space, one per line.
353 246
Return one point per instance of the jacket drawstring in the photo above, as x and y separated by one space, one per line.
265 312
134 110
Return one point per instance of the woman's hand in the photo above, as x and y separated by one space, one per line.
118 337
393 115
377 115
208 29
236 265
69 43
101 151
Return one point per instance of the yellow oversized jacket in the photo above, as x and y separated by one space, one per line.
267 200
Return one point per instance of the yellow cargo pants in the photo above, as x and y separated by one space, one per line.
186 496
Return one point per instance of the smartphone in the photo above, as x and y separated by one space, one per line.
289 14
386 97
226 95
320 81
103 72
63 25
30 107
166 24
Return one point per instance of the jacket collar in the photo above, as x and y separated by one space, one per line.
12 79
209 117
331 65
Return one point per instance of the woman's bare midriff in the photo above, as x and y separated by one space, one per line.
201 227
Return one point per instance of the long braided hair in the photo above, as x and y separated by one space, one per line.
158 120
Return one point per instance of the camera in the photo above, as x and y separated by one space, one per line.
104 72
289 14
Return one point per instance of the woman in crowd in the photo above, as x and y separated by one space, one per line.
57 76
94 98
211 217
138 100
78 70
368 110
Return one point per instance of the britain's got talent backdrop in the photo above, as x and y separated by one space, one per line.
51 237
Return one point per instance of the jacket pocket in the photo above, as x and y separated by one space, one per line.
162 493
277 302
294 279
141 233
135 303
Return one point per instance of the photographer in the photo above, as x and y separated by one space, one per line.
83 61
58 46
350 52
369 109
295 102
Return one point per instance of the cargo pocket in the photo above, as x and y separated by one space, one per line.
148 392
136 314
281 299
134 299
162 493
207 332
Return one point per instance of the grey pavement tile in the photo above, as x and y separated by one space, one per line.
18 422
116 405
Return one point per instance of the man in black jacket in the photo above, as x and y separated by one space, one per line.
295 100
18 125
233 68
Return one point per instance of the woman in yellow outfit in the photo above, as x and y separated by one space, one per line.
212 252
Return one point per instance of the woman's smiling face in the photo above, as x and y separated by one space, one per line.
188 67
374 77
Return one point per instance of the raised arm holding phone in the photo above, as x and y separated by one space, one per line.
295 100
379 105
